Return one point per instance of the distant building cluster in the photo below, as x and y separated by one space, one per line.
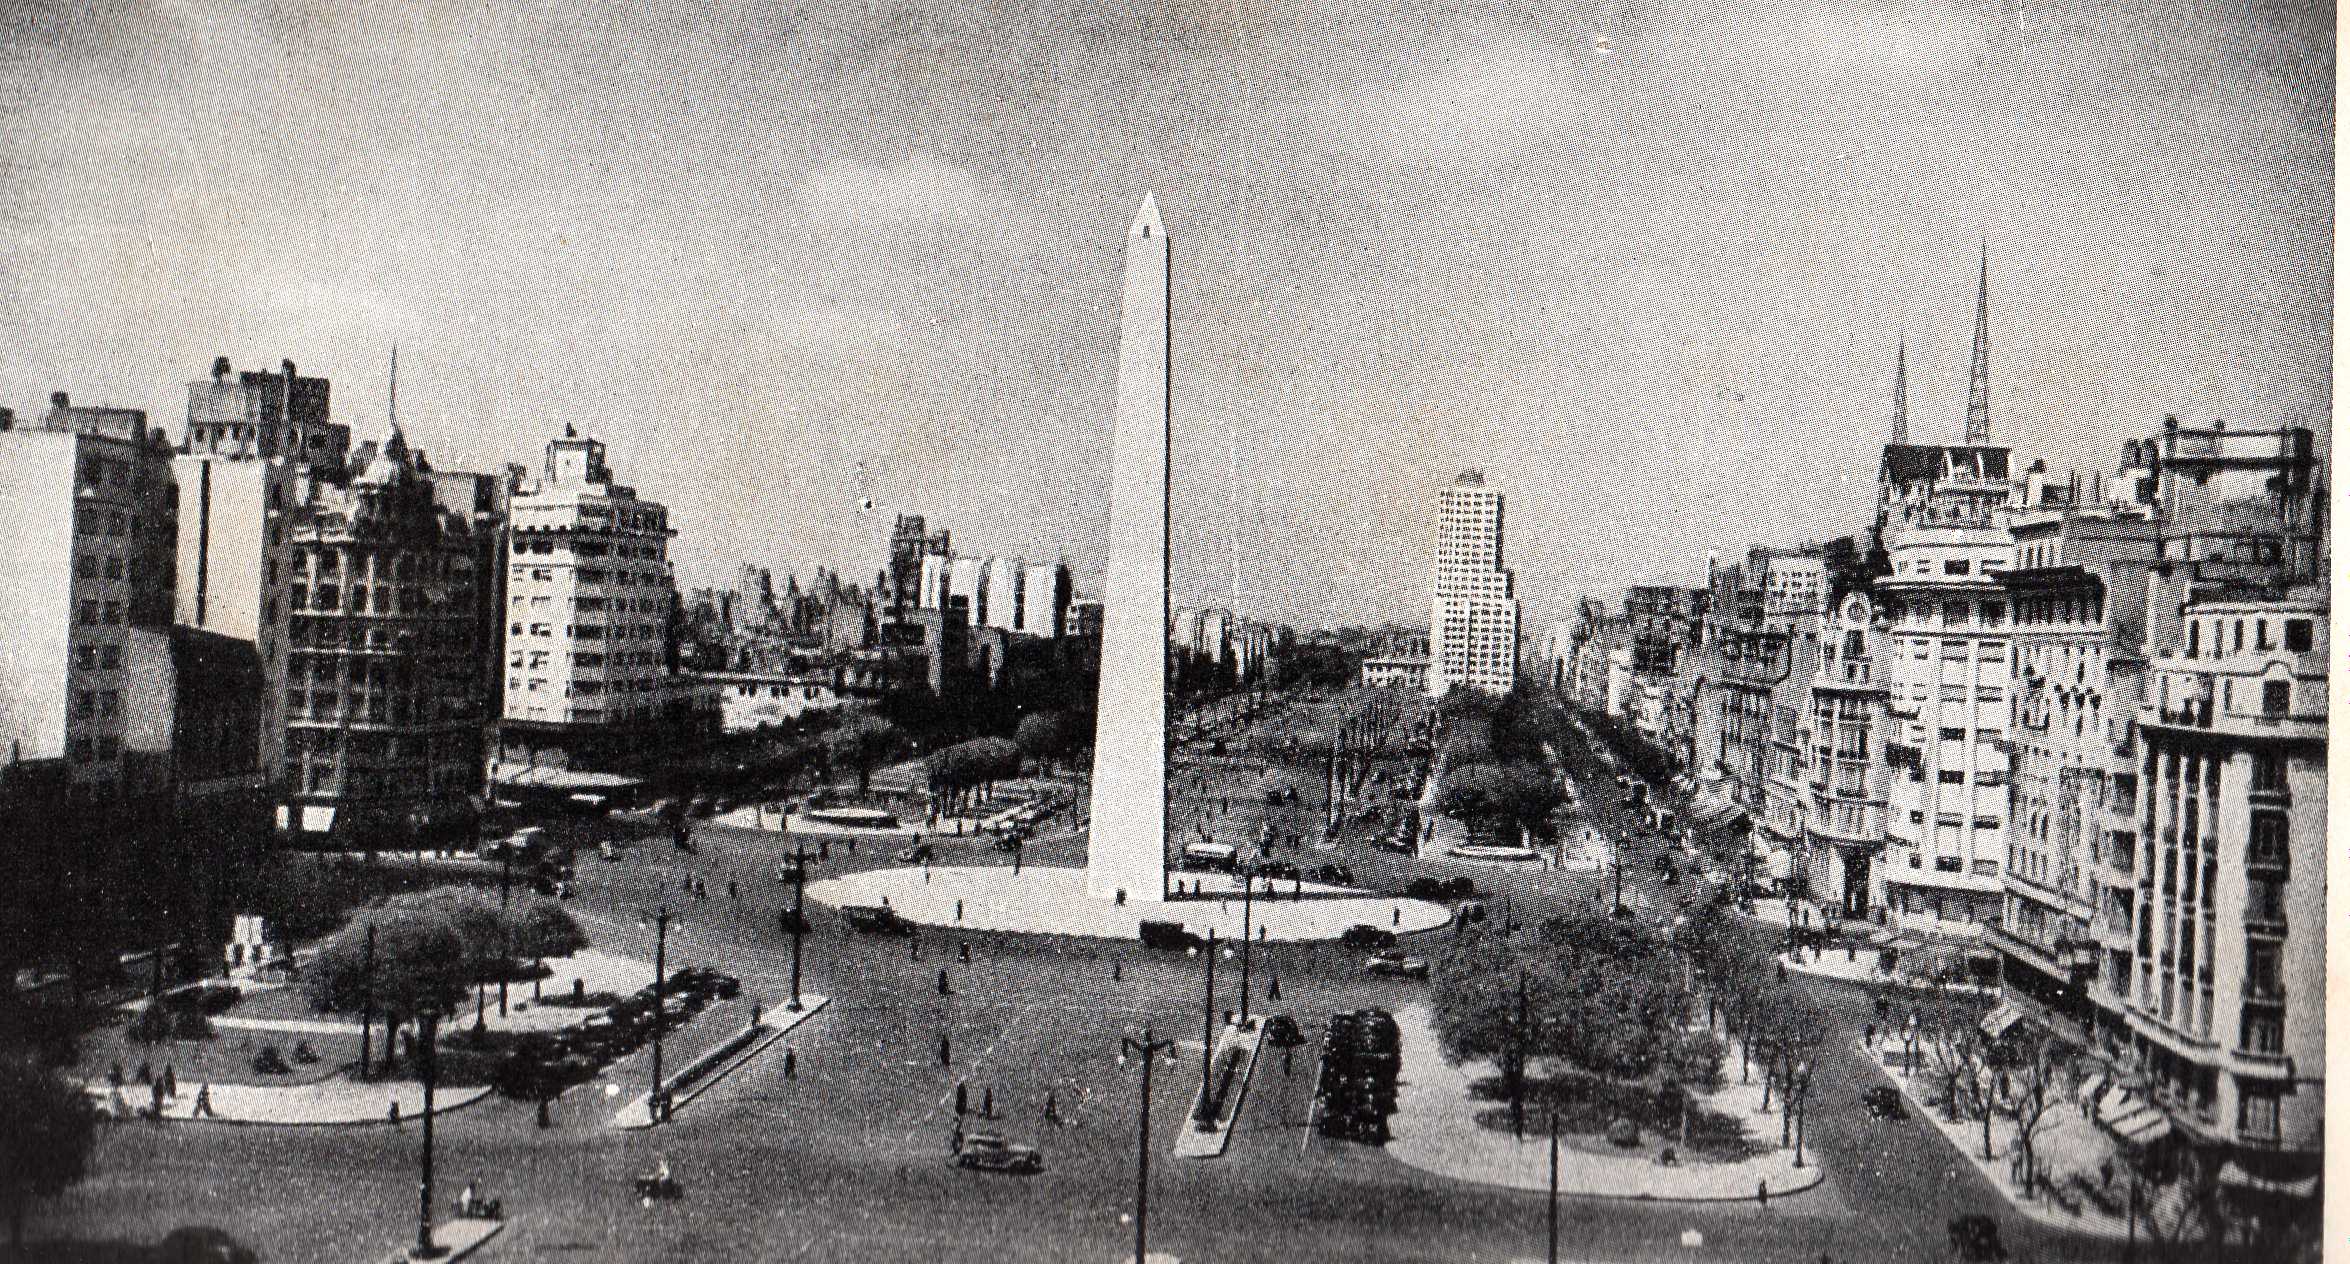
341 636
2070 732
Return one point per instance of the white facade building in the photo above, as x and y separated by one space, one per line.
1946 806
1473 618
588 595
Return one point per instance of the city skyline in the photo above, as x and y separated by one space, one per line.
903 280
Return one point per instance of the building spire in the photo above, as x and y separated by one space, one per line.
395 403
1978 386
1901 390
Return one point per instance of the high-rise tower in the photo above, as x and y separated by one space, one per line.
1978 383
1473 612
1126 853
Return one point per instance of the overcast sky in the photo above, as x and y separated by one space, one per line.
1644 263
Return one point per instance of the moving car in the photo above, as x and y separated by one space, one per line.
1167 936
986 1152
1336 875
874 919
1398 965
918 854
1364 936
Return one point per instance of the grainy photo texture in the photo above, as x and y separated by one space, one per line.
1608 632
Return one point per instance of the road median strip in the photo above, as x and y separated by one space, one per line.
1236 1054
705 1070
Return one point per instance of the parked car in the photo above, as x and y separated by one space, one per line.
1365 936
918 854
1336 875
1397 965
1281 1032
1278 870
1883 1102
986 1152
1976 1237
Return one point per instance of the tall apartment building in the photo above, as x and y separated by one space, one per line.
2217 945
1473 617
1947 804
2078 612
588 599
85 597
385 712
255 445
1844 738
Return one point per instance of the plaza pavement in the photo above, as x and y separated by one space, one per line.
339 1100
1042 900
1435 1129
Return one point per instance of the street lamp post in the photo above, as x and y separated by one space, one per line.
1207 1037
660 1005
1518 1068
505 894
1148 1050
1248 887
1553 1256
1802 1086
367 1007
799 917
428 1070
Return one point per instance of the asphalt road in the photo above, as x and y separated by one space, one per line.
849 1160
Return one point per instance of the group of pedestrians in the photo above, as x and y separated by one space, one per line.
160 1090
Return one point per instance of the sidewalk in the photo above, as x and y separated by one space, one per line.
750 1043
1435 1130
2067 1145
337 1101
1862 969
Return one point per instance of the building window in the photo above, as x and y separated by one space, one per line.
110 657
2276 697
2298 635
2258 1114
2268 772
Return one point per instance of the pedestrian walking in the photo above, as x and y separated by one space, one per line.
155 1094
791 1063
962 1098
546 1116
1762 1193
958 903
942 981
1868 1035
395 1112
1052 1111
733 892
987 1103
114 1075
963 952
171 1083
945 1051
146 1073
955 1139
203 1103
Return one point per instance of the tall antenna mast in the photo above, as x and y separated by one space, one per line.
395 409
1233 491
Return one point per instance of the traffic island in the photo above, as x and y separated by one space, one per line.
1235 1061
1046 900
704 1072
1435 1129
452 1240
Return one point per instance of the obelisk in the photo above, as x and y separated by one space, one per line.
1126 848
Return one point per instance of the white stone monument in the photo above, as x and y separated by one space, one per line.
1126 849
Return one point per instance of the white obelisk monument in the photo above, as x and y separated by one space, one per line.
1126 848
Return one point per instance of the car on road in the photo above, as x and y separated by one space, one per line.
986 1152
1167 936
918 854
874 919
705 981
1281 1032
1279 870
1460 888
1883 1102
1366 936
1397 965
1336 875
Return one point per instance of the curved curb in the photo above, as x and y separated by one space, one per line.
476 1094
1816 1175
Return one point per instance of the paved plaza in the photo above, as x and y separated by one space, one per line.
1053 901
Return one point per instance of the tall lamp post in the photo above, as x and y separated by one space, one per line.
1553 1256
1248 889
505 928
367 1009
1801 1084
1207 1034
799 917
1148 1050
660 1006
428 1070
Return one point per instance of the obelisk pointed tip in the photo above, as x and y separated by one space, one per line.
1146 220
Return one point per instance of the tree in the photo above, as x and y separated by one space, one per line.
45 1149
542 927
1690 1063
862 741
475 916
421 964
1042 735
2034 1067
